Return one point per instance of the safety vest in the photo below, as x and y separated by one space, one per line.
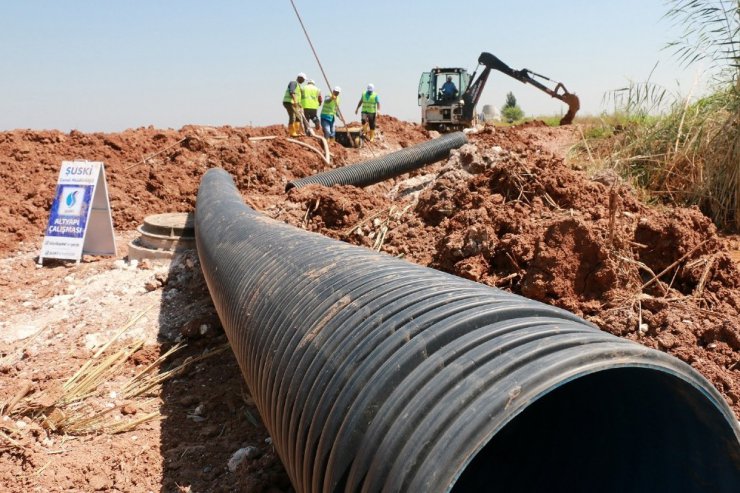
287 98
310 100
330 106
369 102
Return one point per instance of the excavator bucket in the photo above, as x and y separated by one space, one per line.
574 104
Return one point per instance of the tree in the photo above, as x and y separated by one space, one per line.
510 111
510 100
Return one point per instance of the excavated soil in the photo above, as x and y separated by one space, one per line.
504 210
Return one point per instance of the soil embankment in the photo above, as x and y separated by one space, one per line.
505 210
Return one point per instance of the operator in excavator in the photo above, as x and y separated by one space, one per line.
448 90
292 103
370 109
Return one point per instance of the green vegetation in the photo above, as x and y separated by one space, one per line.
510 111
589 122
549 120
682 150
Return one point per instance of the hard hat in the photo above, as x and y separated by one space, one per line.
300 75
337 89
370 87
310 81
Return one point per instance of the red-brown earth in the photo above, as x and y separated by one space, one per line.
504 210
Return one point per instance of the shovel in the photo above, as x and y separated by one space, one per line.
306 124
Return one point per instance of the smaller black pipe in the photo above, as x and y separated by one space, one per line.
386 167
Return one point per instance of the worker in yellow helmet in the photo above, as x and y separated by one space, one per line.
370 108
292 104
310 101
329 113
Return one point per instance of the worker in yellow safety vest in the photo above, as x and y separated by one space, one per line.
310 101
329 113
370 108
292 103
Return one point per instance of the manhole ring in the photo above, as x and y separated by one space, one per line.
171 224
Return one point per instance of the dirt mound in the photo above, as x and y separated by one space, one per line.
585 275
403 133
151 171
334 208
504 210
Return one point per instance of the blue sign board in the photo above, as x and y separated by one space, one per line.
80 219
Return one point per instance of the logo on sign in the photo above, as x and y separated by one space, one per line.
71 203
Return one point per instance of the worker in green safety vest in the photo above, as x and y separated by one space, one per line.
292 103
310 101
329 113
370 108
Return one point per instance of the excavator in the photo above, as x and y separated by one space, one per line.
445 112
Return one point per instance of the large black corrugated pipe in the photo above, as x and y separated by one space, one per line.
373 374
386 167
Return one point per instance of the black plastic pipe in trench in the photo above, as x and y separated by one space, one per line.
373 374
386 167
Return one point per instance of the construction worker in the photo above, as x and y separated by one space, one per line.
292 104
310 101
370 109
329 112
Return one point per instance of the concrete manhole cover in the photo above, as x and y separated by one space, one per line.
162 235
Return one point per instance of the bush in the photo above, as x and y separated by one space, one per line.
510 111
512 114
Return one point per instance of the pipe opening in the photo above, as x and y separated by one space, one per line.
623 429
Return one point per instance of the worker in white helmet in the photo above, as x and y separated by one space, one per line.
370 108
310 101
329 112
292 103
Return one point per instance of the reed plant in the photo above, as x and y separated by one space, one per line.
681 149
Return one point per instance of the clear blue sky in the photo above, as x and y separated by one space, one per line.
108 66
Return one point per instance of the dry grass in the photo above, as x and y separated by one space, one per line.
82 404
377 224
76 411
690 153
147 380
690 156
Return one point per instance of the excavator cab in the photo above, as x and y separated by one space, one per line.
431 84
442 111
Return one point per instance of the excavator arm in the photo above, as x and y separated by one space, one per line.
491 62
471 96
